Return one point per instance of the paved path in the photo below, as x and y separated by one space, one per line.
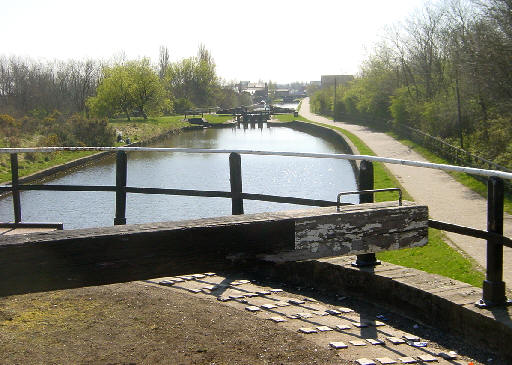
447 199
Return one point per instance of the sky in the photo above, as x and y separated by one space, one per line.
279 40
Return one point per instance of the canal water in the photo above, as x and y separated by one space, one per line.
275 175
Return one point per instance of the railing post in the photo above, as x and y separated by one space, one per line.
16 201
235 178
366 183
121 173
494 287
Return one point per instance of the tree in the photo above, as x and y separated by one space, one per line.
128 87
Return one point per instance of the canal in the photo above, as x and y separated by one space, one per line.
276 175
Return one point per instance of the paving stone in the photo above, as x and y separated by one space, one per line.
208 287
209 274
357 343
234 297
342 327
244 281
333 312
359 324
166 282
223 299
268 306
277 319
418 343
345 310
296 301
235 283
408 360
323 314
276 290
307 330
379 324
374 341
411 337
178 280
324 328
382 317
304 315
365 361
395 340
385 360
186 277
193 290
282 304
263 292
338 345
198 276
292 316
310 300
250 295
427 358
452 355
252 308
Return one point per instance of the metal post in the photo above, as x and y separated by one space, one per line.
235 178
366 183
121 173
494 287
16 201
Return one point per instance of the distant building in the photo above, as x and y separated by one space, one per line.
315 83
328 80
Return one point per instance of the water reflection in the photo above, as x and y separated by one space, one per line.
276 175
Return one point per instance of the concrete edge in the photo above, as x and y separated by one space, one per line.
430 299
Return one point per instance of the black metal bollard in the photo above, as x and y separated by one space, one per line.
16 201
366 183
235 179
121 174
494 287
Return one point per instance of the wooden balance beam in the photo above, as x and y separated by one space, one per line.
75 258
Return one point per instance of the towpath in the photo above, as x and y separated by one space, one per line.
447 199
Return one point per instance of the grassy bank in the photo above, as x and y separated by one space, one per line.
437 256
137 130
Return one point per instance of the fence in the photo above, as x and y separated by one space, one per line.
451 153
493 289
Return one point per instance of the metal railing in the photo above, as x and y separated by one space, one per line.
494 287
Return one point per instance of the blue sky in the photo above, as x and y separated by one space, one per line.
275 40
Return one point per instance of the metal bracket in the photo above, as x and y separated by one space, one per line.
338 200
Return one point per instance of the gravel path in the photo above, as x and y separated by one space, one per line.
447 199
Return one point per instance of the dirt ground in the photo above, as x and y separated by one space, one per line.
136 323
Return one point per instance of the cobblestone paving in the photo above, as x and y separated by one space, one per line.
364 336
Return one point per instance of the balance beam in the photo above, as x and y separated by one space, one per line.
76 258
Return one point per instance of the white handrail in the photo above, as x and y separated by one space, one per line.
429 165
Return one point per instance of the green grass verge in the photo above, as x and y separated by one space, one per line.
38 162
437 257
289 118
465 179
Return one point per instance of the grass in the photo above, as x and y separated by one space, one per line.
290 118
465 179
39 161
437 257
217 119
